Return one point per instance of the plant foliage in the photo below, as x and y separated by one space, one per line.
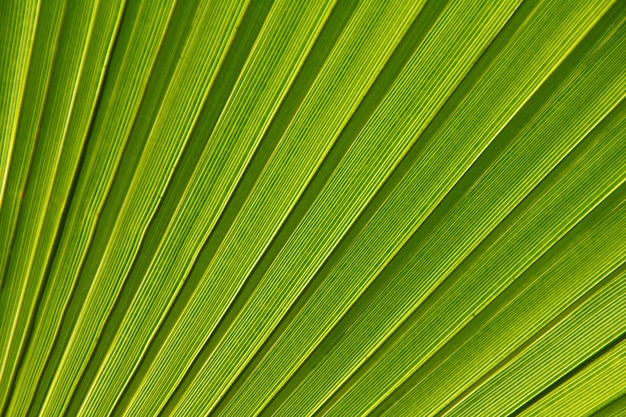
326 207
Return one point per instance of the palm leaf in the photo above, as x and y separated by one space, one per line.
298 208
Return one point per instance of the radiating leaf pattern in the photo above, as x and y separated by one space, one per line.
326 207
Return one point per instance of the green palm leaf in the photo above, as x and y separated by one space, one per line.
329 207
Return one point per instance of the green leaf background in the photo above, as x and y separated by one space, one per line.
322 207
